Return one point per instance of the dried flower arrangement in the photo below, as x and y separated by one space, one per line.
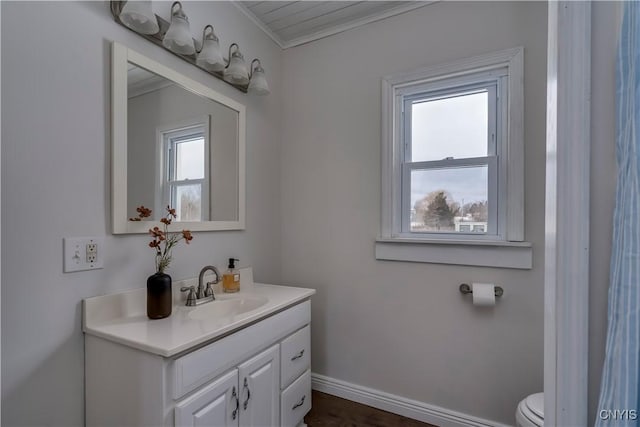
163 239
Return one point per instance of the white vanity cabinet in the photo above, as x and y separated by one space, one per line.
246 396
258 375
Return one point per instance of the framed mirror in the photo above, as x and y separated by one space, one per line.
175 142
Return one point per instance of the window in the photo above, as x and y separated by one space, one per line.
186 168
452 154
450 141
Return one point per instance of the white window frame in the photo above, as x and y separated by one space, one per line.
164 135
509 232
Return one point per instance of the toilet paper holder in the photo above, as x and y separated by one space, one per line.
466 289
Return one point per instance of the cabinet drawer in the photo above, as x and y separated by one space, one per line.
201 366
295 356
295 401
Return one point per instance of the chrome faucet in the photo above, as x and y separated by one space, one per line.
208 292
203 294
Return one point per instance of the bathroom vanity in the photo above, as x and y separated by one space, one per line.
242 360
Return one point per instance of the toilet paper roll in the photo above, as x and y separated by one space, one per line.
484 294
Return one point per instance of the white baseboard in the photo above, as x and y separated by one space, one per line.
397 404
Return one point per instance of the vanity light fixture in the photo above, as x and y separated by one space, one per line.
138 16
236 71
209 56
178 38
258 81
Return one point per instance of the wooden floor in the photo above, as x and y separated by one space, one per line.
328 410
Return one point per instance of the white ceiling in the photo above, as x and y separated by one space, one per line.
291 23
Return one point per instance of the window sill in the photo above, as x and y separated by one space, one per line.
481 253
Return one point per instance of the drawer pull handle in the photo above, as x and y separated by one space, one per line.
234 395
299 404
298 356
246 386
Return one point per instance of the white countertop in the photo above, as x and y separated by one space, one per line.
122 317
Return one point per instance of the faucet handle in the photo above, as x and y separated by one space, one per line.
191 296
209 291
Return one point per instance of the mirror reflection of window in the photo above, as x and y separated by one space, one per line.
184 186
183 149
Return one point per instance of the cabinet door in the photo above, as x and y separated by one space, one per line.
260 389
215 405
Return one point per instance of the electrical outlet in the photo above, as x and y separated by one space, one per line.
83 253
92 252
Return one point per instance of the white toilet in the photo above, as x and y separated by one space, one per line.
530 412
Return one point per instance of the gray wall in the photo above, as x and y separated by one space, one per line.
55 183
403 327
603 183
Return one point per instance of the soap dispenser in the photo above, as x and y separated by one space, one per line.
231 277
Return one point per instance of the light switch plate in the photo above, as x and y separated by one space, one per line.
83 253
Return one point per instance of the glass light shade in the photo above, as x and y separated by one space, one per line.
258 83
178 38
236 73
209 56
138 16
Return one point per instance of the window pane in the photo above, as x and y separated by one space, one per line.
450 127
188 202
190 159
450 200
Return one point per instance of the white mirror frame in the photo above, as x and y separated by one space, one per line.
121 55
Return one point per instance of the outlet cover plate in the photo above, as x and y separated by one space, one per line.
83 253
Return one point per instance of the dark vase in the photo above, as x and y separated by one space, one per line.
159 297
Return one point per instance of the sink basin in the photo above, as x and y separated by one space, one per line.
225 306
